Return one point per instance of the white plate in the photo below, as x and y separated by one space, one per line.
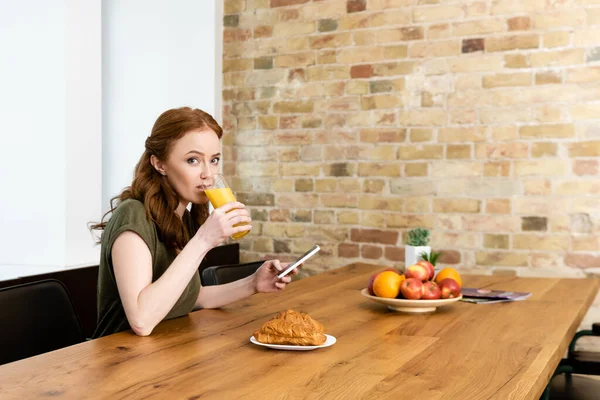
329 342
413 306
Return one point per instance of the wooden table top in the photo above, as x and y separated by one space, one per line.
461 351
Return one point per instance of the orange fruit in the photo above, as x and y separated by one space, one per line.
448 273
387 284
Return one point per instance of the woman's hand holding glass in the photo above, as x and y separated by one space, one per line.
219 193
220 224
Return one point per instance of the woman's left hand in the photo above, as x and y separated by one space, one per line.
265 277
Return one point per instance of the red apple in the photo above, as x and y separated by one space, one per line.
431 291
417 271
372 279
411 289
429 267
370 285
450 288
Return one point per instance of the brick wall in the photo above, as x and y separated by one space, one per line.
349 122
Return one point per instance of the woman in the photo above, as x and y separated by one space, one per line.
152 245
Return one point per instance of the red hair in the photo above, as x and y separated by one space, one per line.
152 189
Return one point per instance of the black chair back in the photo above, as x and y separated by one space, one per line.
36 318
220 274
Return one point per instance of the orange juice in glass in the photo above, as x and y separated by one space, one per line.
219 193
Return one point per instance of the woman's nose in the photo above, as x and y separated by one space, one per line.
204 171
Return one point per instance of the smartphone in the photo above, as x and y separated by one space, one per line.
299 261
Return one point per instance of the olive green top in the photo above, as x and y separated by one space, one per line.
130 215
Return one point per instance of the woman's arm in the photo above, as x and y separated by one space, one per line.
147 303
264 280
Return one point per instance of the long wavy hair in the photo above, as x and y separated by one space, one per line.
152 188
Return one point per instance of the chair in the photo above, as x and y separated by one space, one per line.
218 275
36 318
564 385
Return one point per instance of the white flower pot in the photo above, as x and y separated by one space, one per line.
413 254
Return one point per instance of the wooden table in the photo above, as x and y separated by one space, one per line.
462 351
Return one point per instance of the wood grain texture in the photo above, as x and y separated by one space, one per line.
463 351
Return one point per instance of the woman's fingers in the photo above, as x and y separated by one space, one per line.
231 206
280 285
241 228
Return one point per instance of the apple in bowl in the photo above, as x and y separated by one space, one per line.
431 291
449 288
411 289
418 272
429 267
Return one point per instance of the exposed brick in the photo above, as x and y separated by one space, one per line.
584 149
416 169
519 24
516 61
231 21
353 6
373 236
289 14
582 260
496 241
503 80
449 257
473 45
280 246
361 71
259 215
593 55
421 135
543 149
263 63
547 131
401 34
324 217
348 250
283 3
544 78
256 199
371 252
304 185
507 43
302 216
456 205
394 253
380 86
328 25
262 32
341 169
501 259
498 206
534 223
585 167
458 151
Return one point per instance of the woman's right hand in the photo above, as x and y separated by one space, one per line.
220 223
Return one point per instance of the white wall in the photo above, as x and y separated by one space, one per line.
48 119
156 55
54 174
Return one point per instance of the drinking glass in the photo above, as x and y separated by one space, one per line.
219 193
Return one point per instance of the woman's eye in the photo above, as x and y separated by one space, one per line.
192 160
215 160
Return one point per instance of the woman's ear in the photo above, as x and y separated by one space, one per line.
158 165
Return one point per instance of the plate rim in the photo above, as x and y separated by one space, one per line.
253 340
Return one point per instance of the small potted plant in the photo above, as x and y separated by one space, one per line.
417 244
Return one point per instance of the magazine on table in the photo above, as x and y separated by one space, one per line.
486 296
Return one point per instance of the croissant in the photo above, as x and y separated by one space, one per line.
292 328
